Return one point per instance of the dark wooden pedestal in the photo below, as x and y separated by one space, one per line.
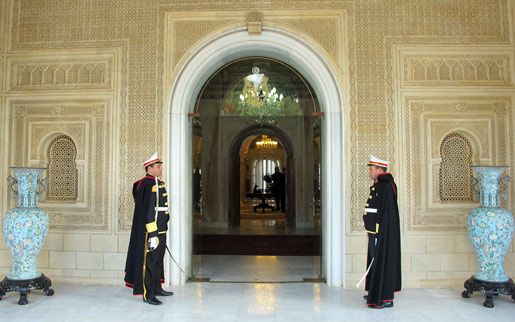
490 289
25 286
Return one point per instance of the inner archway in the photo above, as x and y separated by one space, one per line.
234 176
262 168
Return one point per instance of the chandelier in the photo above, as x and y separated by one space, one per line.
266 143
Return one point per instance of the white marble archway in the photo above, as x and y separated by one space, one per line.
202 61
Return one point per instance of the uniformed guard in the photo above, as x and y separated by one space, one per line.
144 271
381 219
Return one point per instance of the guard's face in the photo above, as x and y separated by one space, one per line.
156 170
374 172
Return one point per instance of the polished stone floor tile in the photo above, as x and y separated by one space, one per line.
250 302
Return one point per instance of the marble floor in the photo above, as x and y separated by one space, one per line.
247 302
239 268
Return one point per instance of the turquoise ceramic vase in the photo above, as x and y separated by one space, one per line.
490 231
24 230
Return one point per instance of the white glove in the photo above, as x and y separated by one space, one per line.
152 243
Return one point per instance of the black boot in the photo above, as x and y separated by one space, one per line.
381 305
153 301
164 293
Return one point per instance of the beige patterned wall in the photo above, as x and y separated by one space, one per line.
99 72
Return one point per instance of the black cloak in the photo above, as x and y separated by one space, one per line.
143 198
384 277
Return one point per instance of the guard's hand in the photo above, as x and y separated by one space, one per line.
152 243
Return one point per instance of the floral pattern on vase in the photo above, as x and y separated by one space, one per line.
26 226
490 228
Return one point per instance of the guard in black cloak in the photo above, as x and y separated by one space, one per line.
384 244
144 271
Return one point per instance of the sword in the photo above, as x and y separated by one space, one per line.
368 269
366 273
170 253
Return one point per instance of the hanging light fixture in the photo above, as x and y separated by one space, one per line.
266 143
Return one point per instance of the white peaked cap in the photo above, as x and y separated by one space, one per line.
378 162
153 159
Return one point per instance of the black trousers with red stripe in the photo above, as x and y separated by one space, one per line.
154 269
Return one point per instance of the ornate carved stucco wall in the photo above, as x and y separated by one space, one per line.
96 71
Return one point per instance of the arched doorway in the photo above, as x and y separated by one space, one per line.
309 59
255 97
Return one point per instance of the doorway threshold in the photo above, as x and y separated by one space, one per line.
208 280
257 269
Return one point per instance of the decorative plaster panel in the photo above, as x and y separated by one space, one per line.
34 123
379 26
60 74
484 121
457 70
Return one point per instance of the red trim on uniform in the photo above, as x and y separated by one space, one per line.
148 176
139 184
141 180
150 162
393 186
132 286
378 305
394 189
380 164
129 285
